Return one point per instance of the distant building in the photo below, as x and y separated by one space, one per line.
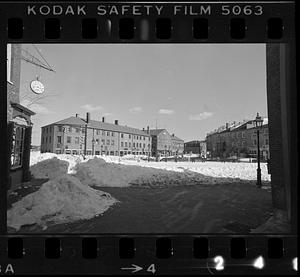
195 147
238 139
74 135
164 144
19 123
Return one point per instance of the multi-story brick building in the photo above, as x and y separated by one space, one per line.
238 140
195 147
19 123
74 135
165 144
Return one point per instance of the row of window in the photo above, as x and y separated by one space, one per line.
99 132
46 140
103 142
89 152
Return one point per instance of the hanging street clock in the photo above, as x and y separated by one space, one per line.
37 87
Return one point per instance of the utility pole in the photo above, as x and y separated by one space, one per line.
85 139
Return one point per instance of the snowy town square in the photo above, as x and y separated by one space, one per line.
150 139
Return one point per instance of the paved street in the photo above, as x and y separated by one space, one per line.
181 209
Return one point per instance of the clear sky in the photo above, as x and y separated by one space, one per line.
189 89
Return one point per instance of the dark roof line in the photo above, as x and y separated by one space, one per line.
77 121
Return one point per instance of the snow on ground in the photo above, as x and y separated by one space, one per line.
50 168
130 169
63 199
36 157
98 172
241 170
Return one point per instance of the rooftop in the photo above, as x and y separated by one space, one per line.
80 122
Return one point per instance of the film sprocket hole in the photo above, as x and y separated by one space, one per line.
148 137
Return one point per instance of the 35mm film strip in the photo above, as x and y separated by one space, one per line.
148 138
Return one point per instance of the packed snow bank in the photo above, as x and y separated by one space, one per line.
64 199
213 171
50 168
36 157
243 170
98 172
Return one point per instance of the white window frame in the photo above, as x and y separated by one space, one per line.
8 58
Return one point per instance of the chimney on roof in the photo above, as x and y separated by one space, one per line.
103 119
173 135
143 129
77 115
88 117
227 125
148 131
116 122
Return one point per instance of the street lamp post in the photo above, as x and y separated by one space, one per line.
258 124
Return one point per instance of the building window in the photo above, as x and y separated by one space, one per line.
49 139
18 146
144 138
125 143
77 130
9 62
59 129
122 135
129 136
103 141
140 145
267 141
98 132
108 134
112 142
108 142
129 144
59 139
122 144
112 134
46 139
243 134
103 133
82 130
76 140
68 139
254 142
133 144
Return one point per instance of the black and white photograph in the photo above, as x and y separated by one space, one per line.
132 138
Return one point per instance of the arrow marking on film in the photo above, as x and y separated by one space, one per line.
135 268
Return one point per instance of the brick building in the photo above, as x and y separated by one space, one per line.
165 144
195 147
238 140
71 135
19 123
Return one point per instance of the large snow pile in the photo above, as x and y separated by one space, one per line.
98 172
134 167
64 199
36 157
50 168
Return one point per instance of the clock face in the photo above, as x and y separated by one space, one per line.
37 87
